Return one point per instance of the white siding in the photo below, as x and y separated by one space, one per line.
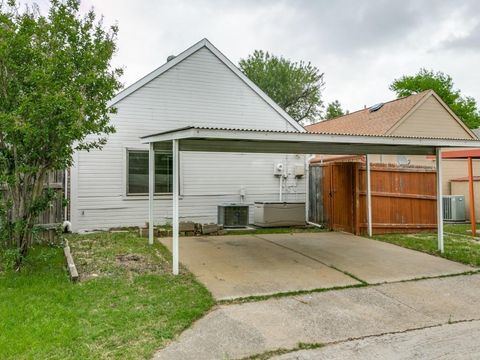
200 90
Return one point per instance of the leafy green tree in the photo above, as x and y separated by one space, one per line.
334 110
294 86
465 107
55 82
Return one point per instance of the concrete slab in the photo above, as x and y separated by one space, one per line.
238 266
450 341
241 330
418 295
370 260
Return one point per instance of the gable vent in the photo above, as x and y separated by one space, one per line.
375 107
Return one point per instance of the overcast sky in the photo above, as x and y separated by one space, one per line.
361 46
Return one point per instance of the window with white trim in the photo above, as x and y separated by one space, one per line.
137 172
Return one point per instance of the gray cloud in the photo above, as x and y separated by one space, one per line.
469 41
361 45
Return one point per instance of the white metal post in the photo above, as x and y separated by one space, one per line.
307 188
175 205
439 201
151 190
369 197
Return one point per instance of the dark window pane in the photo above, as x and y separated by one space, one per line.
163 173
138 172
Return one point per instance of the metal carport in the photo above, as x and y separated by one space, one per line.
286 142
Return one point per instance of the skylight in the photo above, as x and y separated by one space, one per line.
375 107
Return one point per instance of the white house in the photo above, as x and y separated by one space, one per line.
200 87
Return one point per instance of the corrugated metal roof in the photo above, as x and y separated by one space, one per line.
298 133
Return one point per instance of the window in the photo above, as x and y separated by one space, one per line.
137 172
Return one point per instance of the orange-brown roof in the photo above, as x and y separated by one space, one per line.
364 122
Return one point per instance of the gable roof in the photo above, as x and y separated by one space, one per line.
364 122
385 120
204 43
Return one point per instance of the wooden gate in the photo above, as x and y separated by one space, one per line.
339 196
403 198
315 195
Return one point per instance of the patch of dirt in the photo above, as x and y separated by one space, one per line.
135 262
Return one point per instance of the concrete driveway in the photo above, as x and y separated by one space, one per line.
420 319
448 341
235 266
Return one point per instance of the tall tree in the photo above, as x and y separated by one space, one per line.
465 107
334 110
55 82
295 86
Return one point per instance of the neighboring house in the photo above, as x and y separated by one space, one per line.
418 115
198 87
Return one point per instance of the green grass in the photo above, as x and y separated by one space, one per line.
124 307
459 246
274 230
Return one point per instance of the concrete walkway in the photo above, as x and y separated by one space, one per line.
241 330
235 266
450 341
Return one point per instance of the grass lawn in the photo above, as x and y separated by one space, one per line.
459 246
126 306
275 230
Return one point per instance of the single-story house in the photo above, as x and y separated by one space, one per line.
201 87
196 133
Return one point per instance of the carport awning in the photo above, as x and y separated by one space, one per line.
267 141
286 142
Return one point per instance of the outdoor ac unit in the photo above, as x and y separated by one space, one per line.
454 207
233 215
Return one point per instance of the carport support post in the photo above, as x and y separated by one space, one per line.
439 201
151 190
307 189
471 195
175 154
369 197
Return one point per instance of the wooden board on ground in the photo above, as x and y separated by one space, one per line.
72 269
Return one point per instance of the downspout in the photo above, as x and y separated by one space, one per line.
280 192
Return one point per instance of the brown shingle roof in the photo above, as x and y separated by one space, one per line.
364 122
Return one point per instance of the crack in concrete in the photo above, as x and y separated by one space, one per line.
401 302
256 298
302 346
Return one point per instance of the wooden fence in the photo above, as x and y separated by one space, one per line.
55 213
403 198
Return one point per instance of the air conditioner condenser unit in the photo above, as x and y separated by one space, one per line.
233 215
454 208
